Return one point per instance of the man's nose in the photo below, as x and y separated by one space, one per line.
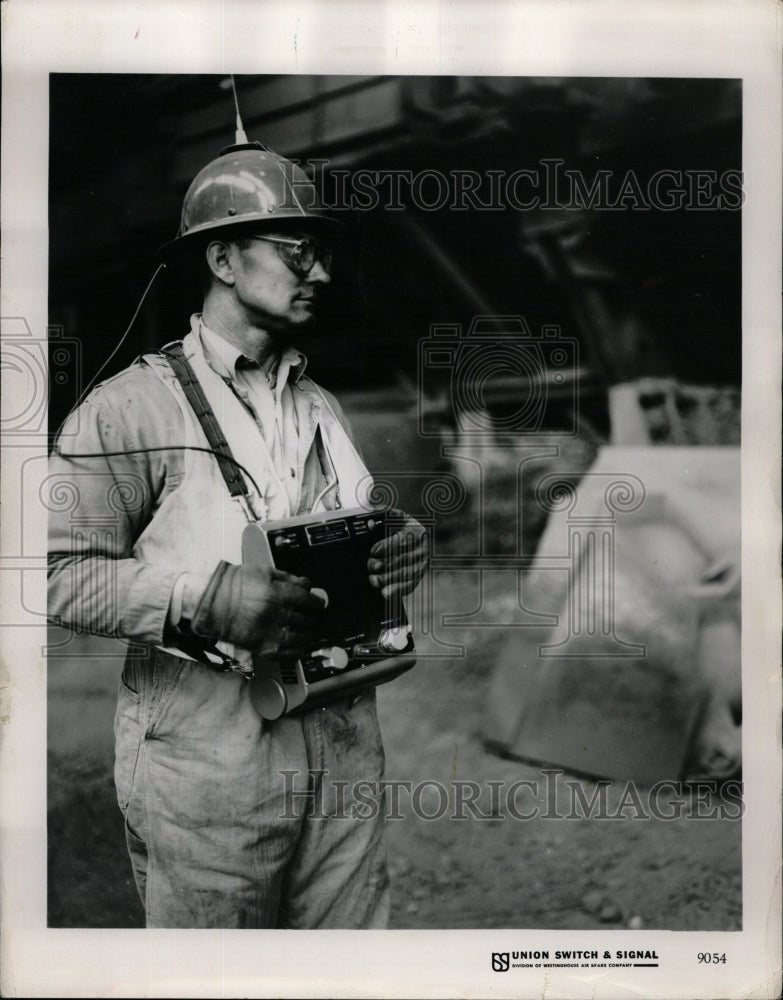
318 274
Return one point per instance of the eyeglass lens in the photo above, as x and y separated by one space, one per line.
301 255
308 253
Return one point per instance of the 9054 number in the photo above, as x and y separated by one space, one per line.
711 957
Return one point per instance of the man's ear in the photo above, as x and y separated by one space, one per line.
219 261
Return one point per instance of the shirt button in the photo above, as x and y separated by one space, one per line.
293 473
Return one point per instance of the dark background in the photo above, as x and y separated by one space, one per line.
123 149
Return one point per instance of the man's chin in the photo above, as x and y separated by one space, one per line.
285 334
305 315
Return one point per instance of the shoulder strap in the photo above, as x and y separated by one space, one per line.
191 386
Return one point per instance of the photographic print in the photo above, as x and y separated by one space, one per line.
388 437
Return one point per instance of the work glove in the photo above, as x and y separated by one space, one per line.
263 609
398 562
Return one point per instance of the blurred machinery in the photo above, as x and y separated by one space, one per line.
639 678
647 293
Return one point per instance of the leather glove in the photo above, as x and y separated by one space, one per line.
398 562
261 609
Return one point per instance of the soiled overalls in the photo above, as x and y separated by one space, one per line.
227 815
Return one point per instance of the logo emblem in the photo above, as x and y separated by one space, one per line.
500 961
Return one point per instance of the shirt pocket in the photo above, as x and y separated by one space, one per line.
172 482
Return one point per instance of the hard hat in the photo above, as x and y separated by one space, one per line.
247 183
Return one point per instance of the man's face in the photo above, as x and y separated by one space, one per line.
269 294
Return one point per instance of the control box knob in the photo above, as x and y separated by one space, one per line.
394 640
334 657
268 697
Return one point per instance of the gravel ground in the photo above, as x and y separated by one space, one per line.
583 873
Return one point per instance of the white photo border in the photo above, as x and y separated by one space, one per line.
520 38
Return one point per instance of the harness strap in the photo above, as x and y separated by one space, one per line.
232 475
194 646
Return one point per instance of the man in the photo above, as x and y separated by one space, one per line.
218 836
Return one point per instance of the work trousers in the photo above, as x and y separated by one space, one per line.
235 822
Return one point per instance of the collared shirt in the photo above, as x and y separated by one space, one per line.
120 581
268 397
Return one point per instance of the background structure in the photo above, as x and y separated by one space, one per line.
125 147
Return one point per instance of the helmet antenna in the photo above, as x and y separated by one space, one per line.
241 136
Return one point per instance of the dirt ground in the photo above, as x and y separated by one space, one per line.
500 871
583 873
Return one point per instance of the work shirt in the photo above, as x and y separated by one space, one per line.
269 398
125 526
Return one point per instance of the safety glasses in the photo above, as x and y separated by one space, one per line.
300 255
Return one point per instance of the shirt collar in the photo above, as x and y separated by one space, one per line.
227 360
